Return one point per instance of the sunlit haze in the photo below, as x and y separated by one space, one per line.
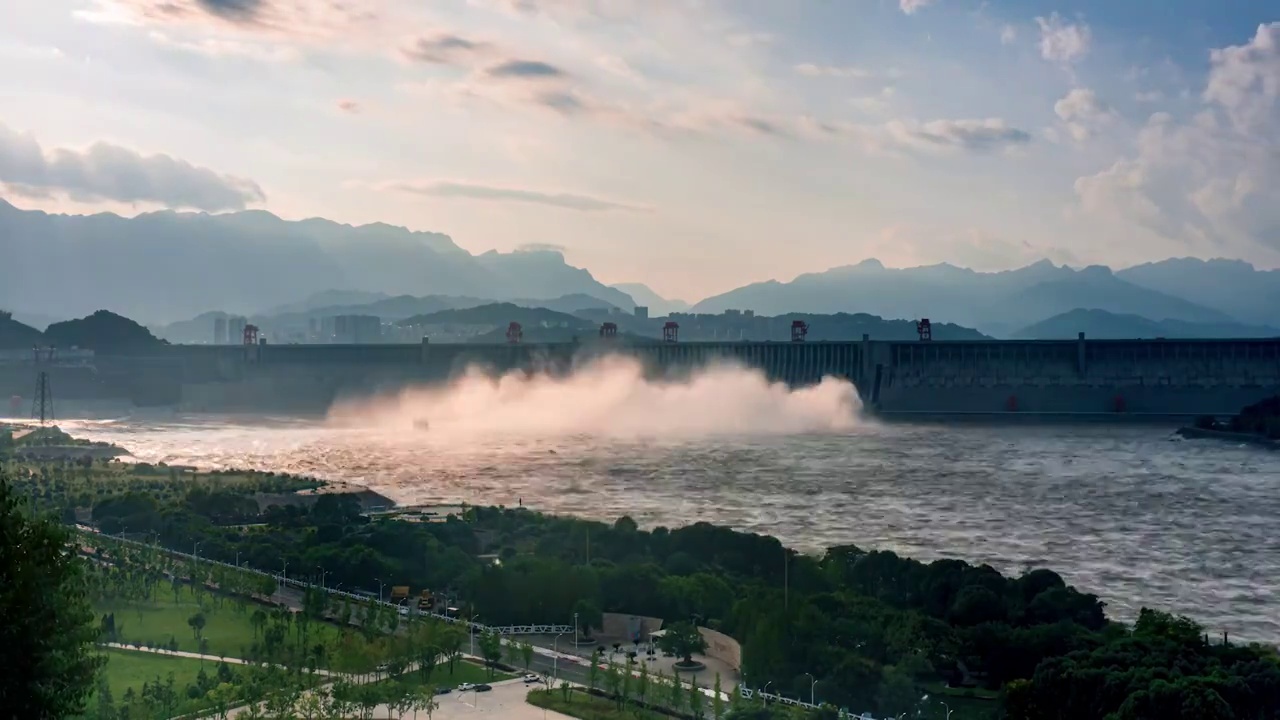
694 145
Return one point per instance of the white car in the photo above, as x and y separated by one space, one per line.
532 678
466 686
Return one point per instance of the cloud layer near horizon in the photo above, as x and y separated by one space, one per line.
109 172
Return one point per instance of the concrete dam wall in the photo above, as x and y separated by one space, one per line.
1101 378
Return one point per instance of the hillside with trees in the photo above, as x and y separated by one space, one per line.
14 335
103 331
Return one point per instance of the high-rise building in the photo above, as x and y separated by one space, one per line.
220 331
235 329
357 329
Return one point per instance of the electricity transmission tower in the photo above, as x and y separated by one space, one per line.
42 401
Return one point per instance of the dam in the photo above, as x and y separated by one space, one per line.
1086 378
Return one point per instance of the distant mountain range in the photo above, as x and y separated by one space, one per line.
178 271
657 304
1000 303
164 266
1102 325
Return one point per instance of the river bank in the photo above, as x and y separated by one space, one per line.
1195 433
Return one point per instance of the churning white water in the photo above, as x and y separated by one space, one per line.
610 397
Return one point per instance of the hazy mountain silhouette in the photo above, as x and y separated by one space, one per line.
657 304
163 266
997 303
103 331
1102 325
389 309
1231 286
17 336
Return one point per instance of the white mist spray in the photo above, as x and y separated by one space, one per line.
611 397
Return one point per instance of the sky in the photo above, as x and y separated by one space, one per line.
693 145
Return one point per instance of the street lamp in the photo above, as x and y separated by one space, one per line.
555 657
473 635
812 685
765 692
323 572
379 589
284 572
924 698
575 630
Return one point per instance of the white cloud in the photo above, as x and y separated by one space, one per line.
750 39
1082 113
812 70
1008 35
911 7
962 135
493 193
1063 42
221 47
110 172
1212 180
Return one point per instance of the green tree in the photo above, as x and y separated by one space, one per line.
526 654
490 648
48 627
717 701
682 640
593 670
197 622
589 616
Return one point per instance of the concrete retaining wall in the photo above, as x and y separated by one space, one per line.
722 648
619 626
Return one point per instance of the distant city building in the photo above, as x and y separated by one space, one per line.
220 331
642 312
357 329
313 330
732 313
749 313
235 329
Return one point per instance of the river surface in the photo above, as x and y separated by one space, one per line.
1130 513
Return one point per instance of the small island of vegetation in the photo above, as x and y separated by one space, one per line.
1258 423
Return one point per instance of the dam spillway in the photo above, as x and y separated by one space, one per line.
1180 378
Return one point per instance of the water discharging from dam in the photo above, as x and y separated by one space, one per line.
611 397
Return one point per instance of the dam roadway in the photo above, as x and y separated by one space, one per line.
1098 379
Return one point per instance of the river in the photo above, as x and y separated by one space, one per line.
1131 513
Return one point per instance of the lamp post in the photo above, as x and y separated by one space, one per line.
575 630
765 692
284 572
555 657
379 589
473 634
812 685
323 572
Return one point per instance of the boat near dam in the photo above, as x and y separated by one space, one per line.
1107 380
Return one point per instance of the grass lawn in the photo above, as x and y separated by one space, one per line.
127 669
229 631
589 707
